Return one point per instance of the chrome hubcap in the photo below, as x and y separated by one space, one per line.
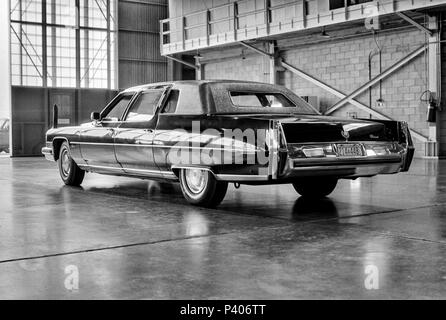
196 180
65 162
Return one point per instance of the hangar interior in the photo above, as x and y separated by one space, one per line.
381 59
77 54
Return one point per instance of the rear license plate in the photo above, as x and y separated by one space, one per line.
349 150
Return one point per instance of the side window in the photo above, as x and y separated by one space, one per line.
117 111
144 107
172 102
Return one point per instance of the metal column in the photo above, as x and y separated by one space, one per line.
272 62
53 45
78 45
86 50
44 47
109 84
434 65
199 69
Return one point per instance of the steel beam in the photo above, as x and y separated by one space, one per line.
44 47
414 23
20 40
108 18
78 44
53 45
86 45
378 78
190 65
337 93
256 49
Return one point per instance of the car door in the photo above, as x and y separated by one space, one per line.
134 137
97 139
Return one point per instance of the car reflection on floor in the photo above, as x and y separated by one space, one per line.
140 239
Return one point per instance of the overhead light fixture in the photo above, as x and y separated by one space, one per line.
324 34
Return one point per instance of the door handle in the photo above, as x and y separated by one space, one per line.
148 130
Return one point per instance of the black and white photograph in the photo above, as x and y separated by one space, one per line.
222 154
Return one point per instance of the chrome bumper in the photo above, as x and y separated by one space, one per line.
48 153
344 168
289 169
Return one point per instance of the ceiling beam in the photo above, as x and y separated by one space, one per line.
414 23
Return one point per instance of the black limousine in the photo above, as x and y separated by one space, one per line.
206 134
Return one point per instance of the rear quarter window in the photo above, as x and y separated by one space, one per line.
172 102
260 99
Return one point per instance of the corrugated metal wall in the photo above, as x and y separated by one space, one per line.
32 112
140 60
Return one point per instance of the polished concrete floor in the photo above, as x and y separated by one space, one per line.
381 237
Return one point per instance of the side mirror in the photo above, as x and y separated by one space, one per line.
95 116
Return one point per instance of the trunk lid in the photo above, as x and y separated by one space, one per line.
325 129
309 128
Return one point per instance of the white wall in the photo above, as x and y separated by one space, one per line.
5 88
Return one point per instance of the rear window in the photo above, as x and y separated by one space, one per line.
260 100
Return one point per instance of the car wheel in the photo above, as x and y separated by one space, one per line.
200 187
315 187
69 171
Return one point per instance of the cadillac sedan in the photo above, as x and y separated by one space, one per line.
206 134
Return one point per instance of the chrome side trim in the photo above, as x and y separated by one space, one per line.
165 147
227 177
92 143
193 167
341 142
146 172
86 166
239 177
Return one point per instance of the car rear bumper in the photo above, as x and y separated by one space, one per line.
285 169
343 168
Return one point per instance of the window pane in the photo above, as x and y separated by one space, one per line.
30 10
26 55
116 113
144 107
245 100
97 56
171 104
61 12
94 59
94 13
61 57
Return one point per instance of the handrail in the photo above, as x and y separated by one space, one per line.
234 15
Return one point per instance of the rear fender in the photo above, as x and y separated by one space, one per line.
399 131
